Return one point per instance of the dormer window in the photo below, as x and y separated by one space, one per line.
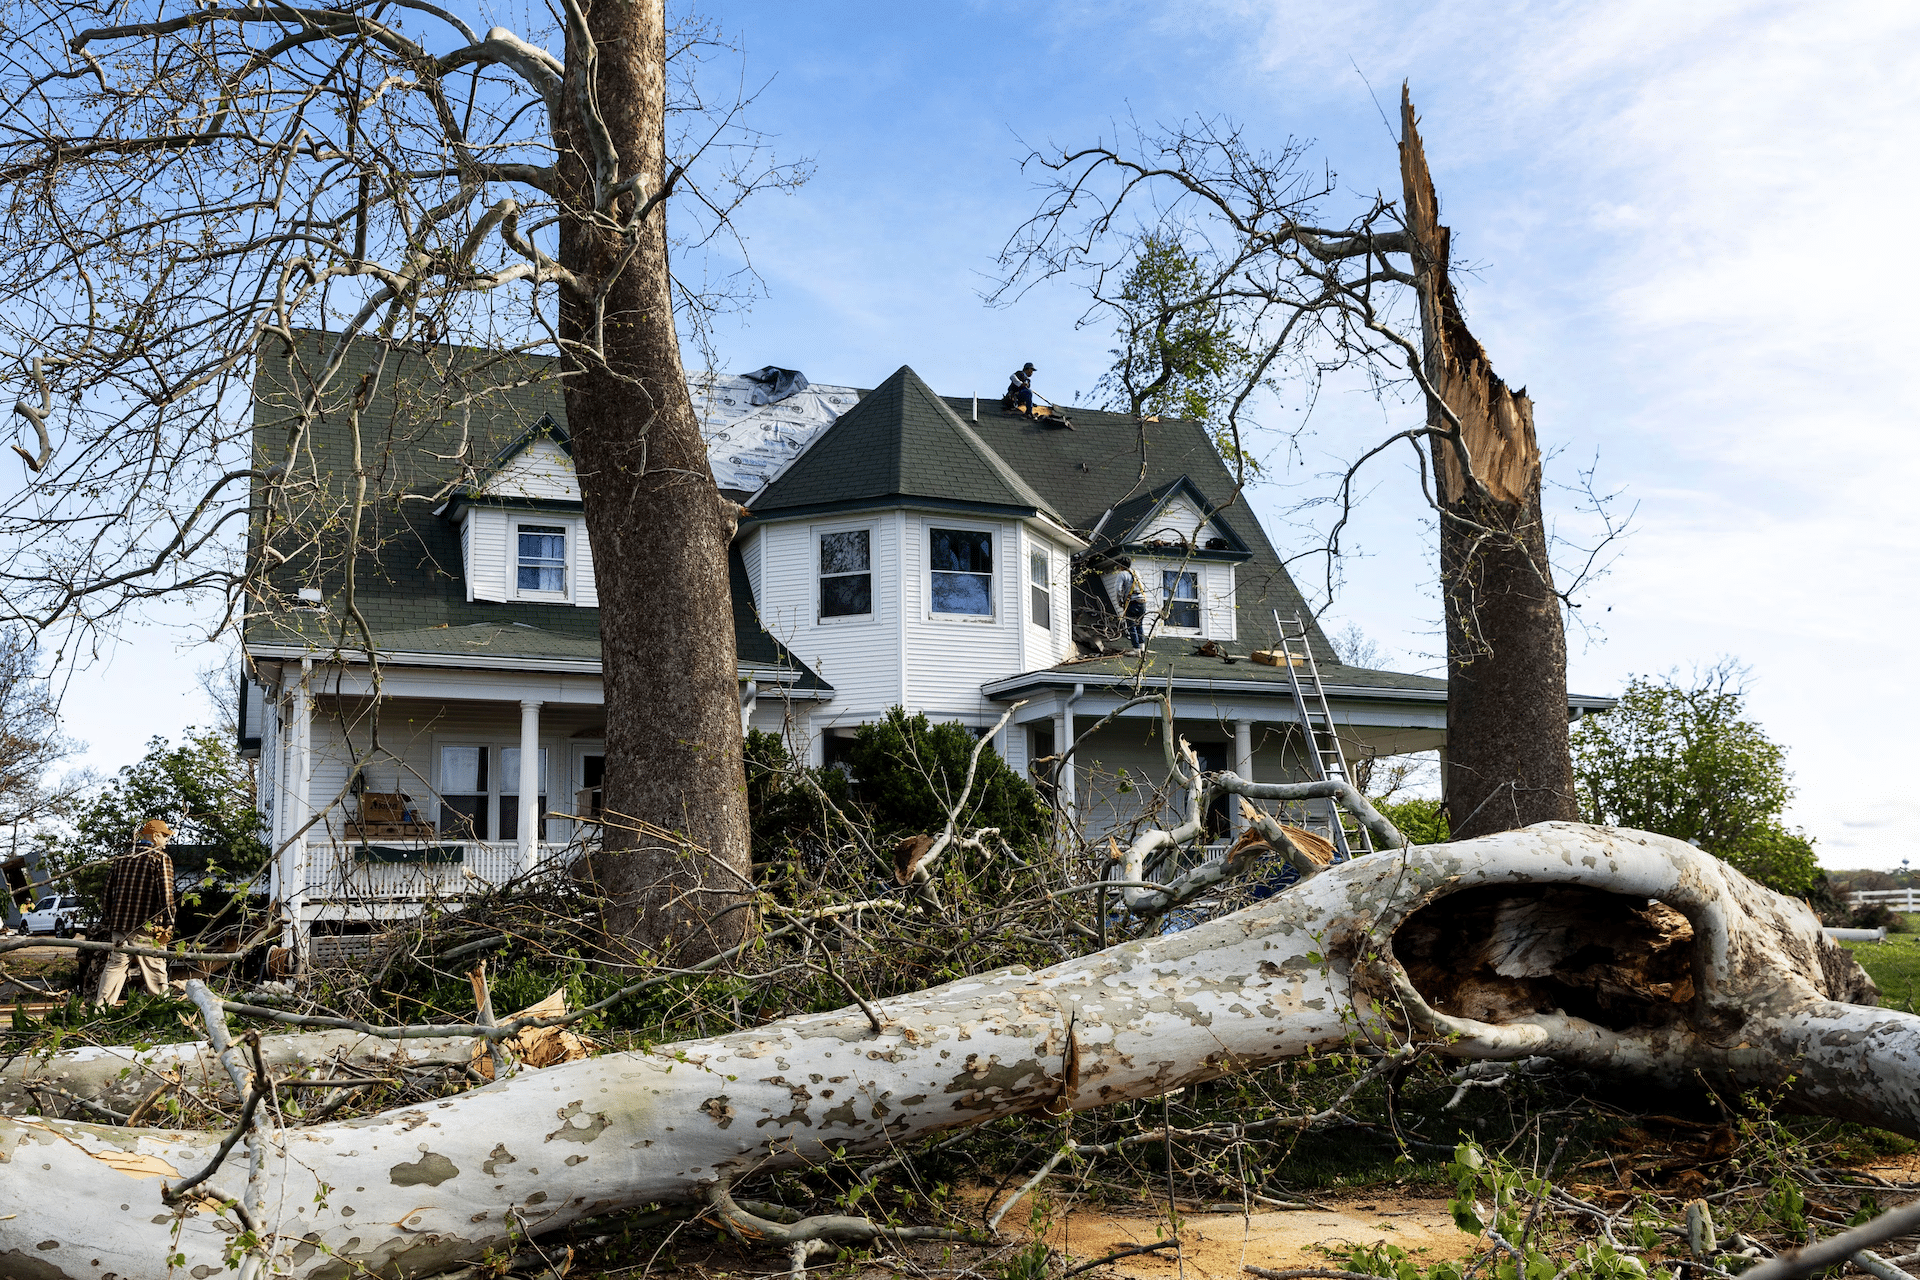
1182 593
962 565
541 560
846 573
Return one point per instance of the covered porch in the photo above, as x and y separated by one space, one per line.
1119 772
427 783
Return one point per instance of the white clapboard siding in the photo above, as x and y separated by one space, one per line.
1218 612
486 548
541 470
1178 519
750 556
1046 646
949 658
859 657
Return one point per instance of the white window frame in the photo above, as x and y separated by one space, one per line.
496 745
568 532
1198 600
814 538
994 531
1038 550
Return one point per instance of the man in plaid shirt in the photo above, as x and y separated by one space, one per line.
138 910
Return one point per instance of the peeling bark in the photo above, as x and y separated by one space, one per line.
120 1077
1562 913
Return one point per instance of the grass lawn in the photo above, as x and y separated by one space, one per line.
1895 966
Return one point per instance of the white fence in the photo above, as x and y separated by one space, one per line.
1902 900
417 869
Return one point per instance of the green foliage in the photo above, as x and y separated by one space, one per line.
1179 355
1420 821
785 812
1685 762
200 787
908 771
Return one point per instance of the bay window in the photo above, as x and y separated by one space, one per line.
846 573
962 571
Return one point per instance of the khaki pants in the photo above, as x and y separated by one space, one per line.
113 975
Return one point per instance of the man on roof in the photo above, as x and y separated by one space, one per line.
1019 396
137 910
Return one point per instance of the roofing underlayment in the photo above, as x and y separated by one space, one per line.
750 443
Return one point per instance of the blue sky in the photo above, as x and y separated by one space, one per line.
1683 219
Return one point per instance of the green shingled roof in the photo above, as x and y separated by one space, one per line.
409 579
900 441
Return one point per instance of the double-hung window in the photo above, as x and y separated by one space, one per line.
1041 587
846 573
463 793
540 564
962 565
510 795
1182 592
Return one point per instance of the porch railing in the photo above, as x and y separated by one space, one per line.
418 869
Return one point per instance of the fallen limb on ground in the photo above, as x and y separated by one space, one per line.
1550 949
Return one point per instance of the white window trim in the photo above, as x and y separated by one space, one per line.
1000 540
570 530
1035 547
814 533
494 744
1155 588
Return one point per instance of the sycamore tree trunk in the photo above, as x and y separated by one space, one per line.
1608 950
675 854
1507 761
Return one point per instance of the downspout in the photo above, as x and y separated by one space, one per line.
749 702
1063 772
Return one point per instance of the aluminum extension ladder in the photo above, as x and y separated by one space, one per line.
1324 756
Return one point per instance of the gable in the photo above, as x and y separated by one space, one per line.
541 469
1175 517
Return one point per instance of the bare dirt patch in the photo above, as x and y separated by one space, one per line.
1215 1246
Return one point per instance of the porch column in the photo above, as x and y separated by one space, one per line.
293 895
529 784
1065 802
1242 765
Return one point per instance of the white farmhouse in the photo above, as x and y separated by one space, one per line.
901 549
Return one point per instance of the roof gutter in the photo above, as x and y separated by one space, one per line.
1002 690
764 675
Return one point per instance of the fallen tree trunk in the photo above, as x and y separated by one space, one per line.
1535 942
121 1078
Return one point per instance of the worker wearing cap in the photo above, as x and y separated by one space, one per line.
1020 389
138 911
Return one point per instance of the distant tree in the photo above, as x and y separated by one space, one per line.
1420 820
1179 355
1684 761
201 788
1355 648
30 746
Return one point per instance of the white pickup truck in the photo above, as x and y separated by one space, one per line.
59 914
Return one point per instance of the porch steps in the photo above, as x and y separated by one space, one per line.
1324 754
